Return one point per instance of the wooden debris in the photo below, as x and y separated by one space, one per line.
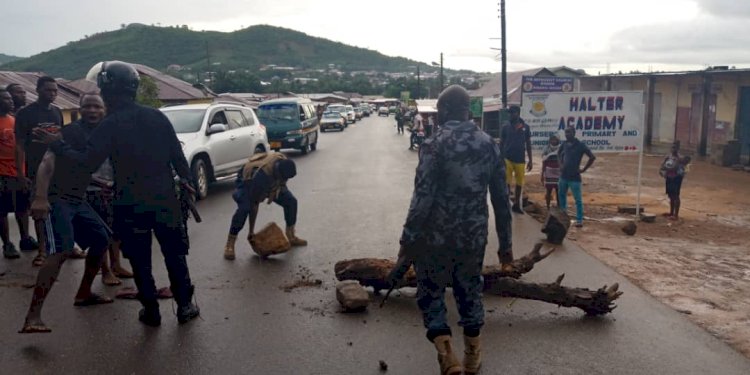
556 225
373 272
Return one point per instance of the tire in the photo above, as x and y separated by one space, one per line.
306 148
201 176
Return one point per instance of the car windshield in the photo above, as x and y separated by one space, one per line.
349 108
338 108
278 112
331 115
186 120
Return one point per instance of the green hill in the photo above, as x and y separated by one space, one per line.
248 48
8 58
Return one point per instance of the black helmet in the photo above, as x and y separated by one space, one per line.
115 77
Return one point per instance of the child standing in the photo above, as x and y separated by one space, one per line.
673 171
551 169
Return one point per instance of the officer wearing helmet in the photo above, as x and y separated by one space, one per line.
145 200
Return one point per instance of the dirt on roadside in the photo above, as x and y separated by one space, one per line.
699 265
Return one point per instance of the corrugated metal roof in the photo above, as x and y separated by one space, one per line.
171 88
427 105
493 86
67 96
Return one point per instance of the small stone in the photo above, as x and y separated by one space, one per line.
383 366
629 228
629 210
350 343
352 296
648 218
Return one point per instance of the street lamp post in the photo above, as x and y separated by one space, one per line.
504 90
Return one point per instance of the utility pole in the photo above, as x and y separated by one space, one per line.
503 57
442 86
419 89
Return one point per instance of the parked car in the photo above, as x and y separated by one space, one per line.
290 123
341 110
392 109
350 113
365 110
216 139
383 111
358 113
332 120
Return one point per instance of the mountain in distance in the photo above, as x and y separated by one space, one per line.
249 48
8 58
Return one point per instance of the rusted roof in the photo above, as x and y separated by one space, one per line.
67 95
171 88
492 88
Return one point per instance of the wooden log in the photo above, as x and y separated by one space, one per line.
373 272
592 302
556 225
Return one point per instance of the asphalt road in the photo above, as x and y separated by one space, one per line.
353 193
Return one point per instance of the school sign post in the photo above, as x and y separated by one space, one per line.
606 121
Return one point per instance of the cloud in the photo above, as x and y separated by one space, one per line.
727 8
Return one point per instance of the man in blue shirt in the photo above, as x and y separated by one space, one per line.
571 153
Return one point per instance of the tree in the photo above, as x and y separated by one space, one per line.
148 93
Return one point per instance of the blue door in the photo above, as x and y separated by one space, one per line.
743 120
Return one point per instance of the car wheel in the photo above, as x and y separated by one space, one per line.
305 149
200 174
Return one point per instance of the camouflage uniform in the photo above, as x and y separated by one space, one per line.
448 220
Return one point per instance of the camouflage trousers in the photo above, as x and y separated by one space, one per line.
461 269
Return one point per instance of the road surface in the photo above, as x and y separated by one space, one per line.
353 193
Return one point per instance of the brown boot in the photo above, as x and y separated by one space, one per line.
449 364
293 239
229 247
472 355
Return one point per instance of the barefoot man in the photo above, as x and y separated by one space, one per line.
60 200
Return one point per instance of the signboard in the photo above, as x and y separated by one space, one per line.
606 121
405 96
476 106
546 84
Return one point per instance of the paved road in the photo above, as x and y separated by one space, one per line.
353 193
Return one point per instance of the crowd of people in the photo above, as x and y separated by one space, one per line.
98 183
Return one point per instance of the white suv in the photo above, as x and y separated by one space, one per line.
217 138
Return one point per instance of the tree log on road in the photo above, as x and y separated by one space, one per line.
374 272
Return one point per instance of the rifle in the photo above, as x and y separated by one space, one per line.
405 259
187 202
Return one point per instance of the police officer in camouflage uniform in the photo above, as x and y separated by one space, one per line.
145 201
446 227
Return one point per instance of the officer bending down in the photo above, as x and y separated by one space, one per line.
264 176
143 148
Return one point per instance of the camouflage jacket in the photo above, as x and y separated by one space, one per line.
449 205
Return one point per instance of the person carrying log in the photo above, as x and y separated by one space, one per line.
264 176
446 227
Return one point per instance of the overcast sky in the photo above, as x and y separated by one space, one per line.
595 35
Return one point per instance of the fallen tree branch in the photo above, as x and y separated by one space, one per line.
596 302
373 272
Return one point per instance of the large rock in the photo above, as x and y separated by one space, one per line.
352 296
269 241
556 225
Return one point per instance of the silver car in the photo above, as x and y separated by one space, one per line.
217 139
